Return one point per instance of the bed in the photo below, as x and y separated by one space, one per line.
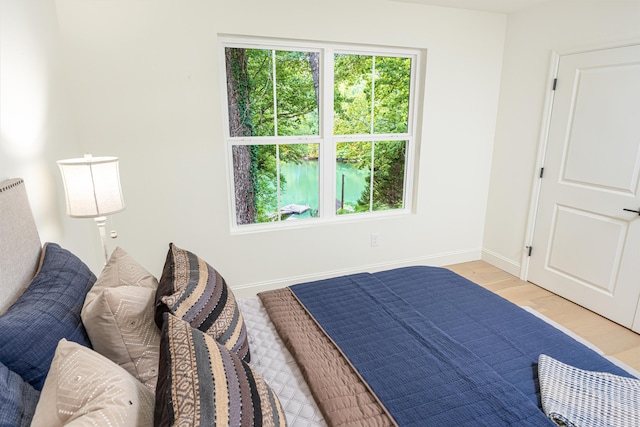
415 346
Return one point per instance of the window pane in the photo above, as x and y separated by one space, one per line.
353 103
388 178
297 80
266 183
352 94
249 92
391 106
251 99
299 181
256 180
353 160
353 172
259 84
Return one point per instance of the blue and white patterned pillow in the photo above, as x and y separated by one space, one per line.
579 398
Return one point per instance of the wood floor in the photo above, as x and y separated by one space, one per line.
611 338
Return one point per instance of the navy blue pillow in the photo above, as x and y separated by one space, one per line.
47 311
18 399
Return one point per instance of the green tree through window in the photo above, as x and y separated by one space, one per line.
277 107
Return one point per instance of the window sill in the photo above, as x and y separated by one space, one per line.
316 222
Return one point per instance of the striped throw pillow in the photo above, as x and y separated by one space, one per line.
202 383
193 291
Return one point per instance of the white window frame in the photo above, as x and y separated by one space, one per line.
326 140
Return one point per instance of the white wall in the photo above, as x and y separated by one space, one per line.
141 80
36 128
144 82
531 36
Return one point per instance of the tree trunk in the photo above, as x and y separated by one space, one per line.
240 125
314 62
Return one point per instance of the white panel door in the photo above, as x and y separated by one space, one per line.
586 246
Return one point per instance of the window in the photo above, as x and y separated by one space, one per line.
318 131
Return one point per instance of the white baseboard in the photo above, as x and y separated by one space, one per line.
501 262
438 260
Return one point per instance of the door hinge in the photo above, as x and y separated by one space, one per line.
555 83
541 172
529 248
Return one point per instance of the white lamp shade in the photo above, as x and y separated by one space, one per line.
91 186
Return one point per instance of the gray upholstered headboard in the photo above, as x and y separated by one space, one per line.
20 244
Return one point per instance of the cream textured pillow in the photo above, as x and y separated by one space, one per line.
118 317
85 388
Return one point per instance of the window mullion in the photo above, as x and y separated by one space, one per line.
373 94
372 177
371 130
275 132
327 147
275 93
278 204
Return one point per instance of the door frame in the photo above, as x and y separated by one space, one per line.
543 140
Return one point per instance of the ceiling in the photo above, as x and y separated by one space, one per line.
500 6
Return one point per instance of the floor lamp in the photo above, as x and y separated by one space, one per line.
92 189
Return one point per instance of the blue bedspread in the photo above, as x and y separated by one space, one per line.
438 349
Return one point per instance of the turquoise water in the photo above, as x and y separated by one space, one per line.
302 186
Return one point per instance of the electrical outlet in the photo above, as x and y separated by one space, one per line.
375 238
